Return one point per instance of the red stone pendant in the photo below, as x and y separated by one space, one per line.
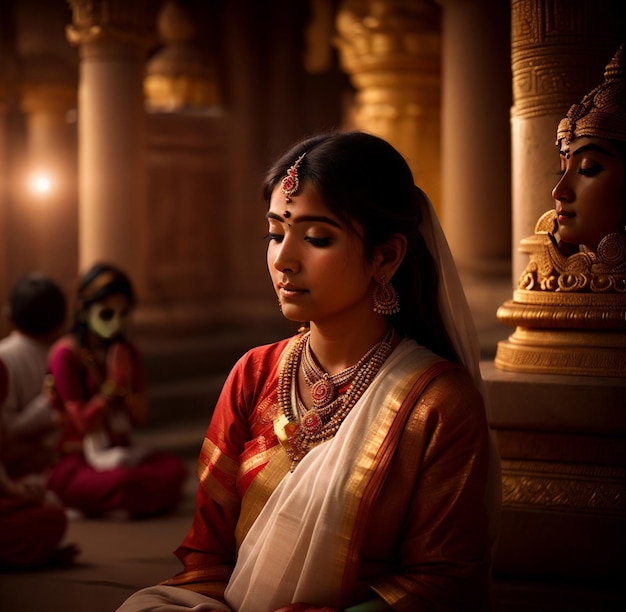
323 392
311 422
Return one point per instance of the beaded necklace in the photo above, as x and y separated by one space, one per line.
322 421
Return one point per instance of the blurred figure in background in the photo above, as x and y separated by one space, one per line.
32 519
99 383
37 311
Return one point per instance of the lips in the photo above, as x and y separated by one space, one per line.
563 215
289 290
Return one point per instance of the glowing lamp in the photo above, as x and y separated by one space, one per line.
41 184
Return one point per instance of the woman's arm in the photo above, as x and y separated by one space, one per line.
84 410
445 549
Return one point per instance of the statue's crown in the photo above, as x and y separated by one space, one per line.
602 112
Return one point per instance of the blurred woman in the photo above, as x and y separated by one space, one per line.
98 378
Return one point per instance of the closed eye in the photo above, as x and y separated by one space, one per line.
274 237
319 242
592 171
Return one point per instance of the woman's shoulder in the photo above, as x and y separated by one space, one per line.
65 344
453 393
263 355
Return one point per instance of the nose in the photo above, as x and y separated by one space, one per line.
562 191
285 259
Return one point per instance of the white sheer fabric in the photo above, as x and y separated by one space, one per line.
453 305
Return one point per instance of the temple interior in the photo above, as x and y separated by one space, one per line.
137 132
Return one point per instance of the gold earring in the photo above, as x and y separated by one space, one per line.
386 298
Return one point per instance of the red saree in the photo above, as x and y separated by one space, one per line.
419 537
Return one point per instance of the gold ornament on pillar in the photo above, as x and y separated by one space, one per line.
181 76
569 308
391 51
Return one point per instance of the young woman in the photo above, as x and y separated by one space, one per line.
99 382
346 467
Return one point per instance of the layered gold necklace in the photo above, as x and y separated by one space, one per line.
301 429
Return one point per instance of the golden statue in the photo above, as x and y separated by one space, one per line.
569 308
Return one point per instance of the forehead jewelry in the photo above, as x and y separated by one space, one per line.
286 214
290 182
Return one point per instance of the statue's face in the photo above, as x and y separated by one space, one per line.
107 319
591 194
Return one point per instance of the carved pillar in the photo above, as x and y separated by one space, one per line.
113 37
561 436
391 50
559 47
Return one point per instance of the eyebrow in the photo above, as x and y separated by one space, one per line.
589 147
304 219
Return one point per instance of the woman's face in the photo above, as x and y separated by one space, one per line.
591 194
318 266
107 319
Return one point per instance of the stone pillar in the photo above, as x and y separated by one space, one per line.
476 142
50 157
559 50
391 50
113 37
43 202
476 186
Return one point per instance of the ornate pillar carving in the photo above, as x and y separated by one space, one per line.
558 49
113 37
391 50
558 413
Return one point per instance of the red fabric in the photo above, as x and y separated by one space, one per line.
424 541
240 428
152 487
78 384
29 534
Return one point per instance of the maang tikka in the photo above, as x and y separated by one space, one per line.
291 182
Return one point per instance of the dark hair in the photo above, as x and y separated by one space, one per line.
36 305
366 182
99 282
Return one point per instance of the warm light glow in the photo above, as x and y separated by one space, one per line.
41 184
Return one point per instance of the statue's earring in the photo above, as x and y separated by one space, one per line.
386 299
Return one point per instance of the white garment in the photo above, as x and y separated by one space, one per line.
25 410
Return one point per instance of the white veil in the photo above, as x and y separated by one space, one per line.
453 306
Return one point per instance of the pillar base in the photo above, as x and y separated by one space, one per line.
580 352
562 440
